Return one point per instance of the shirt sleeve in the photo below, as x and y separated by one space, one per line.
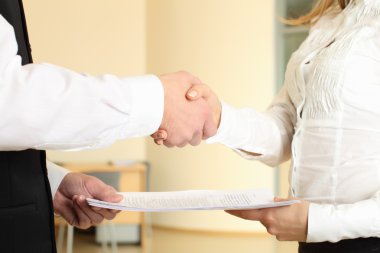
268 134
346 221
43 106
55 175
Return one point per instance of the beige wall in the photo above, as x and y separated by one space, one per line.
95 37
228 43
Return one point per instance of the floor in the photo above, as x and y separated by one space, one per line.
169 241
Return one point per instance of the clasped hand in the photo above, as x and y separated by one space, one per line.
191 113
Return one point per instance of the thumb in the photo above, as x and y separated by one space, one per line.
278 199
160 134
101 191
198 91
114 197
109 195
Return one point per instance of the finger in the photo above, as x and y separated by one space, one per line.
198 91
182 144
160 135
278 199
247 214
95 217
99 209
197 138
66 210
168 144
159 141
101 191
107 213
209 128
82 220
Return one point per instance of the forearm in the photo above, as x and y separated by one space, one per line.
347 221
44 106
254 135
48 107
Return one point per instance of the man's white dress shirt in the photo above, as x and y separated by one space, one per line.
43 106
327 118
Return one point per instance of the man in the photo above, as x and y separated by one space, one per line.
47 107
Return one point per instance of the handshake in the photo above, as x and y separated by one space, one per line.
191 111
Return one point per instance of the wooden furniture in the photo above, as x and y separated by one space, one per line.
132 178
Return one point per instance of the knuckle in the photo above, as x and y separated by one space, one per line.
206 110
111 189
184 73
268 218
84 226
174 142
188 135
169 143
206 114
72 222
98 220
195 141
271 230
110 216
182 144
212 132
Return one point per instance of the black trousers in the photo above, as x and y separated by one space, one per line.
360 245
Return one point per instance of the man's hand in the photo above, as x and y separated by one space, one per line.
197 92
70 200
184 121
287 223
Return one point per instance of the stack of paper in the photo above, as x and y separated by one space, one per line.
192 200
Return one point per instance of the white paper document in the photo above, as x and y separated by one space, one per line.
193 200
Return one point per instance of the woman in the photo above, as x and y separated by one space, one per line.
327 119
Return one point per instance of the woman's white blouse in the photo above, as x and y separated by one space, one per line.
329 124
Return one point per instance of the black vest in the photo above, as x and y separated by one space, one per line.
26 216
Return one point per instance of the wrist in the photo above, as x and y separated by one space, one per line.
218 113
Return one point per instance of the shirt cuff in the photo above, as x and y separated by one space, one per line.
346 221
235 129
147 104
227 133
55 174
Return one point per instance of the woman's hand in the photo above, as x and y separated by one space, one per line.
287 223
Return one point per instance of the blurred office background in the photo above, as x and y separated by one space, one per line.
238 47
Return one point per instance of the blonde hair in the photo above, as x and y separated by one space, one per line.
319 9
